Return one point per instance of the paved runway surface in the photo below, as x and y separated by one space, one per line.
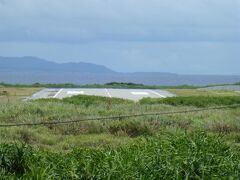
132 94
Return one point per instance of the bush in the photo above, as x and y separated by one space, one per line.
131 128
87 100
14 159
94 100
197 101
223 127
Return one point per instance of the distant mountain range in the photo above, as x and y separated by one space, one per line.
29 63
32 69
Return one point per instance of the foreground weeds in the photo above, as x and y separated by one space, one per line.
201 145
166 156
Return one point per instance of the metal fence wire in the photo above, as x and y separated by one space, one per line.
121 117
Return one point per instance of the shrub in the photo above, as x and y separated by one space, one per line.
91 127
131 128
223 127
87 100
197 101
14 158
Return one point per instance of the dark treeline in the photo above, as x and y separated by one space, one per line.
127 85
123 85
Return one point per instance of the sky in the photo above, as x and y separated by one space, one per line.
185 37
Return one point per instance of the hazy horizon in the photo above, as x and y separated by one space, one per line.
22 57
190 37
29 70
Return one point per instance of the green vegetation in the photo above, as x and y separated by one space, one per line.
168 156
87 101
94 100
197 101
201 145
201 92
142 86
109 85
15 94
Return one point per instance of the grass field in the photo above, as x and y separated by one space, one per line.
200 92
200 145
15 94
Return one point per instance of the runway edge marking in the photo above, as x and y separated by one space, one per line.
109 95
156 93
57 93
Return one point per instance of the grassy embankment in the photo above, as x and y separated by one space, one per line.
195 145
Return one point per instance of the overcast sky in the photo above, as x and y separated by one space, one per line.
187 37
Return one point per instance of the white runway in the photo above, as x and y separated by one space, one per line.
131 94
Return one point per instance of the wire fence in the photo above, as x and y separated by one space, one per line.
121 117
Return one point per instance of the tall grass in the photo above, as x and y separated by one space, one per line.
115 132
153 147
87 101
167 156
197 101
14 159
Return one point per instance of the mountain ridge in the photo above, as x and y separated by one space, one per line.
28 70
34 63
